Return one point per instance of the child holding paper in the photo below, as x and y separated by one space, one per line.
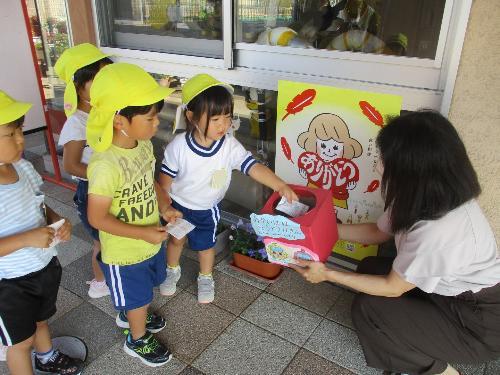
196 172
30 273
124 202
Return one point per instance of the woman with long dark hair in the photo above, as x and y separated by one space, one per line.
438 301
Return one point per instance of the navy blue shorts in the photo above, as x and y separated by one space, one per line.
132 286
202 237
81 201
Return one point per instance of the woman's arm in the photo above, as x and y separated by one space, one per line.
72 157
265 176
367 233
391 285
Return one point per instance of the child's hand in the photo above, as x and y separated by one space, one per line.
287 192
154 234
39 237
64 233
171 214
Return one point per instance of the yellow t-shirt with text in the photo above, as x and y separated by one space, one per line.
126 176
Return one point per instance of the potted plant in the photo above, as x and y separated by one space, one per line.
249 252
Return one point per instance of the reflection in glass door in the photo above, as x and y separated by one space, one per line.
391 27
187 27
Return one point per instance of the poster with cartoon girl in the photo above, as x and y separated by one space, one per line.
327 161
326 139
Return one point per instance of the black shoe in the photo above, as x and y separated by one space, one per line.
154 323
148 349
59 363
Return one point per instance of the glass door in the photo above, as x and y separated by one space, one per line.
183 27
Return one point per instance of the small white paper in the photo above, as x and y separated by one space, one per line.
56 226
293 209
180 228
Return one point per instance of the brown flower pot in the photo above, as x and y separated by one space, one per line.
263 269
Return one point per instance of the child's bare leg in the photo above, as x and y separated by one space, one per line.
174 251
42 342
137 320
19 357
206 258
98 275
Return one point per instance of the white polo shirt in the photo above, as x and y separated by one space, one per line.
450 255
74 129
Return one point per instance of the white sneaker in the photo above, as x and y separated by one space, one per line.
169 286
97 289
206 289
3 353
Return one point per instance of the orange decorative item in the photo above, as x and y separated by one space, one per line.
372 114
300 101
269 271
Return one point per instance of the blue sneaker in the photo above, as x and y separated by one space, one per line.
148 349
154 323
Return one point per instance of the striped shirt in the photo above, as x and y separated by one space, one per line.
21 209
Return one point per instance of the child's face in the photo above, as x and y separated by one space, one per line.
330 149
143 127
84 92
218 126
11 143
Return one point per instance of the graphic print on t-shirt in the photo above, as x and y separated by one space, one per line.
137 199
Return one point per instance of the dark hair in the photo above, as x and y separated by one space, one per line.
19 122
214 101
88 73
132 111
427 172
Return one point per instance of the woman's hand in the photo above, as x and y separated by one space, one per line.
287 192
314 272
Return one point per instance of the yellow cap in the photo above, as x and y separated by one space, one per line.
192 88
70 61
199 83
115 87
10 109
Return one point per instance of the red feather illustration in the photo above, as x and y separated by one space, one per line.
372 186
286 149
300 101
372 114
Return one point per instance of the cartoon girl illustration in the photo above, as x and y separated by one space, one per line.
326 162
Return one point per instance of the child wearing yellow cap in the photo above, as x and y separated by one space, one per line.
125 202
78 66
30 273
196 171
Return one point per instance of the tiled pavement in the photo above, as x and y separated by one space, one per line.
253 327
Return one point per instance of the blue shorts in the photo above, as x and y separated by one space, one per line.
202 237
132 286
81 201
